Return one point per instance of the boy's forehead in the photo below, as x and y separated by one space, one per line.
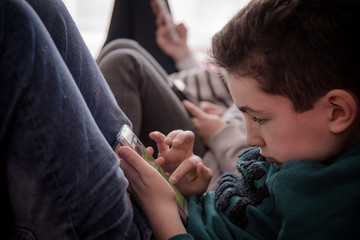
243 82
244 91
250 98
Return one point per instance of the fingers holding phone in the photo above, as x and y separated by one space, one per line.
170 37
141 175
162 12
150 190
212 108
126 137
206 124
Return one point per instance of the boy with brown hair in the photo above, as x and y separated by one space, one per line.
293 72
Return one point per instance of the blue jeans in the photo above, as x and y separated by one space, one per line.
58 123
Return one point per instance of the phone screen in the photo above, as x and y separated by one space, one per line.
126 137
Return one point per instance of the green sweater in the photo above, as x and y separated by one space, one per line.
300 200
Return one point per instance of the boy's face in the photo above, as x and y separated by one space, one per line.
281 133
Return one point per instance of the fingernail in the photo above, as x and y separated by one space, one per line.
172 179
123 151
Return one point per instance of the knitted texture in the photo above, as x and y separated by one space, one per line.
242 188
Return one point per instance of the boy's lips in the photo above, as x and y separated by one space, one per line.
270 159
276 163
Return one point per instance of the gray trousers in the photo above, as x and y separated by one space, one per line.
142 90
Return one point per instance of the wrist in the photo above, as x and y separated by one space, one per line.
188 63
165 220
181 55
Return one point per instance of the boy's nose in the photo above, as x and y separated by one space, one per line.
253 138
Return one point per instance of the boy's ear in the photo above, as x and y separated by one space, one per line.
343 110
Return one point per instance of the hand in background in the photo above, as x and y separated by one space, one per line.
211 108
206 124
178 50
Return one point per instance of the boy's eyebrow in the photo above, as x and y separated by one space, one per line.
246 109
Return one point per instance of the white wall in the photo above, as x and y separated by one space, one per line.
92 18
203 18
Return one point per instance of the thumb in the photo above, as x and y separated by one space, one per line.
193 109
137 163
203 172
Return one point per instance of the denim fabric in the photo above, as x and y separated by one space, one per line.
58 121
81 65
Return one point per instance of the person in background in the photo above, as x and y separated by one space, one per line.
293 72
143 90
134 19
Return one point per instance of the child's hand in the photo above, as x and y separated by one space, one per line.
178 50
175 147
206 120
212 108
145 183
188 173
151 191
191 177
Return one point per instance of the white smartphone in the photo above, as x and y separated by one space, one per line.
126 137
168 19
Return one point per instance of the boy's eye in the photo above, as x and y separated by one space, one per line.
259 120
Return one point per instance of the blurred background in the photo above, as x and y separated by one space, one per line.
203 18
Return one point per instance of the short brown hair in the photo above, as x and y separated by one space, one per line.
300 49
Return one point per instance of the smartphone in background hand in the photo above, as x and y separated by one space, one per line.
179 89
126 137
168 19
